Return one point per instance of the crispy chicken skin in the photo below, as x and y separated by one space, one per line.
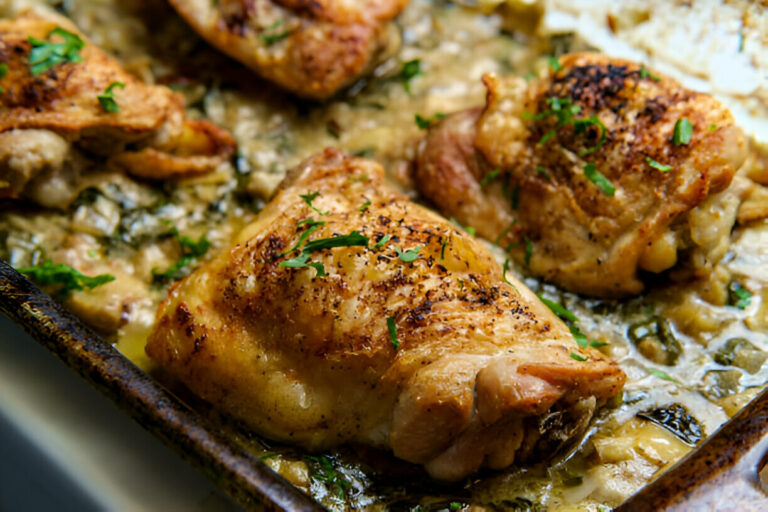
484 374
60 107
310 47
543 205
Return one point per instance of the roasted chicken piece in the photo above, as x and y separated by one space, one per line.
346 313
586 176
311 47
64 98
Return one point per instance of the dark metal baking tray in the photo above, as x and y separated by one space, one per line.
721 474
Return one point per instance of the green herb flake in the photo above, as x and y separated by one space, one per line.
275 37
68 278
682 133
353 239
559 310
312 226
442 248
490 177
47 54
461 284
107 98
268 456
596 177
504 271
581 339
738 296
554 64
302 261
324 471
529 76
191 250
424 123
579 358
392 328
662 375
712 127
3 72
364 206
542 171
408 256
411 69
644 73
528 250
469 229
382 242
308 198
504 233
656 165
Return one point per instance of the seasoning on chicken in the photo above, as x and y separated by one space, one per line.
310 47
64 100
347 313
586 176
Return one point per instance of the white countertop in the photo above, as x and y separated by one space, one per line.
64 446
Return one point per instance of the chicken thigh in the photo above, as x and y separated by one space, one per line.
585 176
63 97
311 47
346 313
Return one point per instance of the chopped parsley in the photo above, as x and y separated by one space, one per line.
190 251
738 296
411 69
596 177
505 232
554 63
542 171
683 132
644 73
408 256
656 165
528 250
392 328
382 242
565 111
423 123
353 239
364 206
107 98
308 198
712 127
47 54
302 261
662 375
324 471
312 226
442 247
274 37
577 357
3 72
504 271
559 310
490 177
469 229
68 278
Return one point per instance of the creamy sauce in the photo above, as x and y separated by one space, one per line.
124 227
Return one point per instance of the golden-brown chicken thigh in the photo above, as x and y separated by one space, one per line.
586 176
346 313
63 96
311 47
